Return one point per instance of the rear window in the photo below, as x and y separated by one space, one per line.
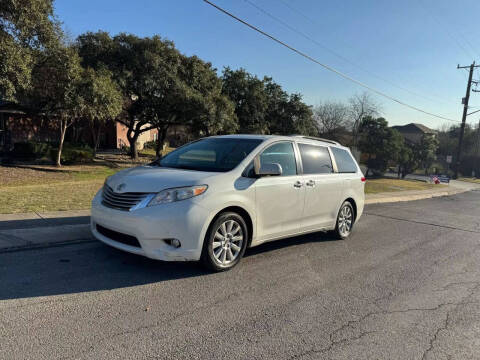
344 160
315 159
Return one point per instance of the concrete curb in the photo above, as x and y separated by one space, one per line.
49 228
44 215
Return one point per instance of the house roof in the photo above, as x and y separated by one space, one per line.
11 107
414 127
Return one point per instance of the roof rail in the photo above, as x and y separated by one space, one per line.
317 138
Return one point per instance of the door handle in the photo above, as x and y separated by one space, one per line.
298 184
310 183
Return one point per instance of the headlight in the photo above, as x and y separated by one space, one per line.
177 194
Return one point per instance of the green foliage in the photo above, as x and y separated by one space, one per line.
30 149
470 164
55 83
247 92
25 27
381 143
100 96
287 114
73 154
205 109
407 160
426 150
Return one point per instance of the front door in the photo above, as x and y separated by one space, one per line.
279 199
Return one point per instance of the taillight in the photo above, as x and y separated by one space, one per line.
363 179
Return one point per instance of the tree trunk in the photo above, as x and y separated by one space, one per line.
94 137
162 135
132 138
63 130
97 142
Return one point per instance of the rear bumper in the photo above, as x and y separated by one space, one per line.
183 220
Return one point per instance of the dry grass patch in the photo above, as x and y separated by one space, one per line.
374 186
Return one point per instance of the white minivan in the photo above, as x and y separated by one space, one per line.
211 199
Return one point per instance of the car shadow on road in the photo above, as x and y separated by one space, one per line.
94 266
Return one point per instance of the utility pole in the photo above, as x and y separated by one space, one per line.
478 139
464 116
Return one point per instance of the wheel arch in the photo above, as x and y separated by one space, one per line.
354 205
240 211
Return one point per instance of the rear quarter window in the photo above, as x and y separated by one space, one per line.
344 160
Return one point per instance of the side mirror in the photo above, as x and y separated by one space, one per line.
269 169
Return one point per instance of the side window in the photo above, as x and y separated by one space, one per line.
315 159
283 154
345 163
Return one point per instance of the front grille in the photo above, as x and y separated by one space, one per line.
121 201
117 236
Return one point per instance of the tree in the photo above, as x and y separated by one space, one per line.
25 27
146 70
100 100
287 114
331 119
205 109
55 88
247 92
299 117
407 160
360 106
426 151
380 142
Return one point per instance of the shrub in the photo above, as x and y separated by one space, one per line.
470 164
73 154
150 144
30 149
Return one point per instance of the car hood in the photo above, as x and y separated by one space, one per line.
154 179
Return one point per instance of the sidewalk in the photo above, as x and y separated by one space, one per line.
455 187
32 230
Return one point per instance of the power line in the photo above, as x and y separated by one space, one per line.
450 35
340 56
329 68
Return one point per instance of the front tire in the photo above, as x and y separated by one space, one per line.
225 242
345 221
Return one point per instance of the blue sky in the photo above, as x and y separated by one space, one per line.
413 44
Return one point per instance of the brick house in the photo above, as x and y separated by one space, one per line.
16 125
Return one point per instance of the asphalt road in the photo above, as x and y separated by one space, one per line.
406 285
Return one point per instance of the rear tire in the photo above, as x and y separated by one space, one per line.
345 221
225 242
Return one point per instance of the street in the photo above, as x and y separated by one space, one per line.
404 286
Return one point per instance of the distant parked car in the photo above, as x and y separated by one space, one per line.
211 199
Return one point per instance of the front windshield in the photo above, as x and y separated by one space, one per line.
210 154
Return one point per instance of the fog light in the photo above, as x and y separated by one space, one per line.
173 242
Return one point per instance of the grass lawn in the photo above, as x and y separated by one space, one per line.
46 188
49 189
374 186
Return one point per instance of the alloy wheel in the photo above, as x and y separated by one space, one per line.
345 220
228 241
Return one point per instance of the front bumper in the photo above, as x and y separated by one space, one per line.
184 220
